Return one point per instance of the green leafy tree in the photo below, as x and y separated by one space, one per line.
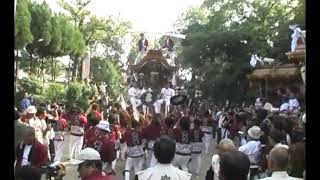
41 30
109 72
219 51
22 32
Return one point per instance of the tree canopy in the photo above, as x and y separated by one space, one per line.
218 47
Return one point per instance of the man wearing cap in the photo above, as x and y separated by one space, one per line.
77 122
253 149
30 117
101 142
164 151
90 165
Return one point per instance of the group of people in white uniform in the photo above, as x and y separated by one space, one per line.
135 99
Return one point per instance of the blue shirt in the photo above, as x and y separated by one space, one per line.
25 103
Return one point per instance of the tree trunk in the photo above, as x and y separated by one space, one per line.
42 71
52 69
30 64
80 69
39 67
16 72
74 69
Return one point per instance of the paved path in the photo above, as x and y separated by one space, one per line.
72 173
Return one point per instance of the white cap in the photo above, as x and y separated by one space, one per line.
31 110
254 132
85 155
104 125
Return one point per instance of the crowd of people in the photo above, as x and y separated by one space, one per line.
253 142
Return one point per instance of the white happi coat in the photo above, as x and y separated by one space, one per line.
163 172
134 94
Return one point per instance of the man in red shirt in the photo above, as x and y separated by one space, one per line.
91 130
135 152
150 134
77 121
90 165
60 127
183 146
95 108
196 147
31 152
167 128
206 127
107 149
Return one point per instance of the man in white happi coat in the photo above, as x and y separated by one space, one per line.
142 91
164 151
166 94
134 94
293 104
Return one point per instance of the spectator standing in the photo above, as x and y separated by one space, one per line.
297 159
253 150
278 163
31 151
225 145
234 165
25 102
90 165
28 173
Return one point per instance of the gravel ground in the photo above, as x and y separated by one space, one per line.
72 173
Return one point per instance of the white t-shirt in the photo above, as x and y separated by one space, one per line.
39 126
252 149
25 156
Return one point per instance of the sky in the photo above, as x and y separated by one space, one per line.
146 15
149 16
